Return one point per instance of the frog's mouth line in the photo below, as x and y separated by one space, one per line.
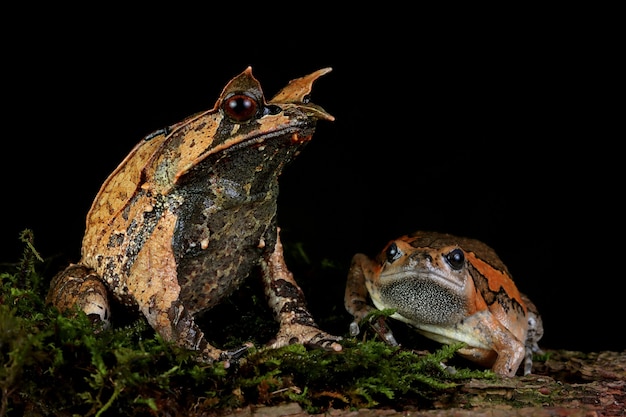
302 133
299 132
304 130
423 277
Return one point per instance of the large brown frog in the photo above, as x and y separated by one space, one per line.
191 212
450 289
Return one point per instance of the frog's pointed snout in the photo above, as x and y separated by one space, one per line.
313 110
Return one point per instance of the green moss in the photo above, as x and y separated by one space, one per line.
55 364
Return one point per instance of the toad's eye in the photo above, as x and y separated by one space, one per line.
456 259
393 253
240 107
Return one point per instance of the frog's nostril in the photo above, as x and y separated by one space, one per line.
272 109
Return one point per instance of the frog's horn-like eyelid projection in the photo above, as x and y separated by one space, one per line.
297 92
243 82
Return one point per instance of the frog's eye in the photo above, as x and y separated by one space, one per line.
456 259
240 107
393 253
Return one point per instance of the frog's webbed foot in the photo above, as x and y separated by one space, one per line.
308 335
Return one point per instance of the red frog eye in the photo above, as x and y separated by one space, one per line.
455 258
240 107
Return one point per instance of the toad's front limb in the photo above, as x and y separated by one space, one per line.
489 343
287 301
356 297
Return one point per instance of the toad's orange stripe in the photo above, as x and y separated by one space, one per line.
496 279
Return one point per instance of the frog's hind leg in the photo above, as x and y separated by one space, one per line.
80 287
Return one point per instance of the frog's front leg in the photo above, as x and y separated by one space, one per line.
80 287
289 305
154 286
356 296
499 345
535 332
186 333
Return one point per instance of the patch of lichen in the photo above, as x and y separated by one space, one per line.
55 364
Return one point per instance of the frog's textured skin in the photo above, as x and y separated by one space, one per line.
451 289
191 212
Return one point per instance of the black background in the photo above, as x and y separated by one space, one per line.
497 131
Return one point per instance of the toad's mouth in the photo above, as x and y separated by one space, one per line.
420 278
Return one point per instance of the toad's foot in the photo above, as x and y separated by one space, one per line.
379 325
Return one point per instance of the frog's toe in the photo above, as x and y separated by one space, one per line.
354 329
229 357
306 335
325 341
380 327
448 368
211 355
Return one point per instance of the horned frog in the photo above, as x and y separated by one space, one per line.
190 213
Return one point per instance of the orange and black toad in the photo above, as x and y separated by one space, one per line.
451 289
